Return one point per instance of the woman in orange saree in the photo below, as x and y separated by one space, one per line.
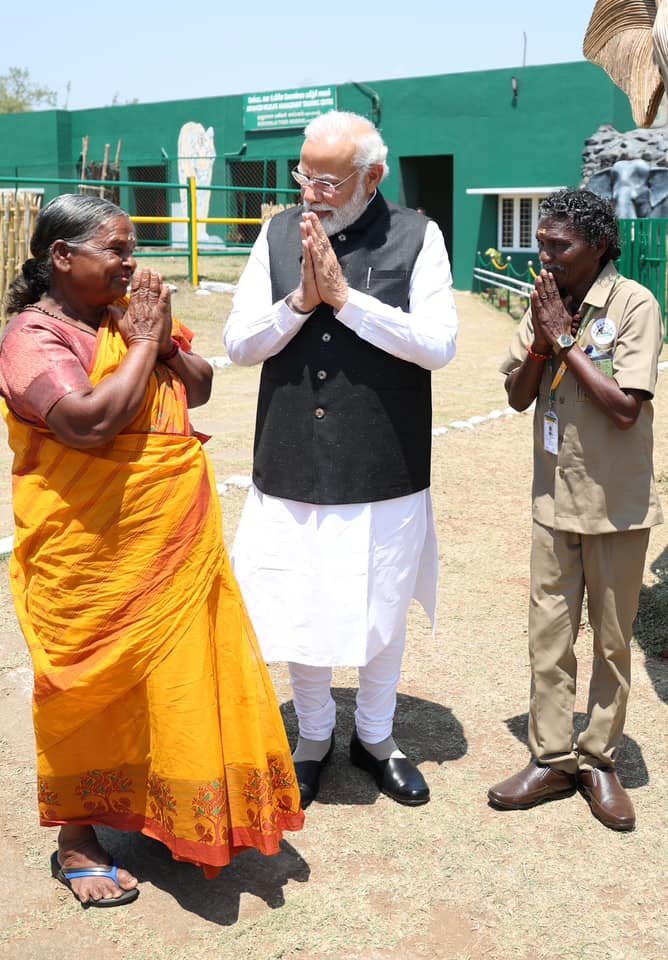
153 710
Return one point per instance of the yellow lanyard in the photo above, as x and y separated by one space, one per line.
561 372
563 367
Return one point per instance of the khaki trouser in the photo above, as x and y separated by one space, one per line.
611 566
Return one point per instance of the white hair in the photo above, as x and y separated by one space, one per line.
339 125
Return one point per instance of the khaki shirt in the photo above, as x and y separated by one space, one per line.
602 479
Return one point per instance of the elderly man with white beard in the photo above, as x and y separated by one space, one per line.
347 302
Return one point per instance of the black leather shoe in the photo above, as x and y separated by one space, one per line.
397 777
308 776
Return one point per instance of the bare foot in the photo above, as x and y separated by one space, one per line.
78 848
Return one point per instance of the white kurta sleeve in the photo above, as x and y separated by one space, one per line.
257 328
427 333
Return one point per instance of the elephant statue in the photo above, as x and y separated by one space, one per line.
636 188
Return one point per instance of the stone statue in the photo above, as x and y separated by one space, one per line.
629 39
631 169
196 157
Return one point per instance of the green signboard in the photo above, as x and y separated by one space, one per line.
287 108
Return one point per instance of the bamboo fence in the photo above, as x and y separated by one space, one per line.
269 210
18 211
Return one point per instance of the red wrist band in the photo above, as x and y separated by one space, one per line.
538 357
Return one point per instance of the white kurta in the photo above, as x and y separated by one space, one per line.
331 584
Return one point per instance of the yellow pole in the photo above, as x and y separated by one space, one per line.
194 259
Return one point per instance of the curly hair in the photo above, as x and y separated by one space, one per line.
592 216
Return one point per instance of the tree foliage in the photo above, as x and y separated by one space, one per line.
18 94
116 101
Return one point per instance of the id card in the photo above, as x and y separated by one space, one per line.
551 432
604 364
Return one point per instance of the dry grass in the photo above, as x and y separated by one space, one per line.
368 879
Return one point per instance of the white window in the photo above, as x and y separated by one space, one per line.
507 220
518 219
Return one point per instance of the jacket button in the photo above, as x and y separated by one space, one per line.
321 374
318 413
326 337
341 237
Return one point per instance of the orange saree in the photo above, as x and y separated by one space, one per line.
153 709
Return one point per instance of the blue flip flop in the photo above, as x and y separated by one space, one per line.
66 876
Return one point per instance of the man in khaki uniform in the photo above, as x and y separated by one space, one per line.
587 353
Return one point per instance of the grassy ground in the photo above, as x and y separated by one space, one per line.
368 879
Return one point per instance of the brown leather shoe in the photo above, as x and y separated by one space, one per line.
535 784
609 801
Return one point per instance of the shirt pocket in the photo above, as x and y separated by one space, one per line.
374 275
386 284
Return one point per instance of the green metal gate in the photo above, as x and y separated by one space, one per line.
645 254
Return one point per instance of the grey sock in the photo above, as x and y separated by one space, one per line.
310 749
384 750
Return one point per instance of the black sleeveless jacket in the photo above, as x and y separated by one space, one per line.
339 420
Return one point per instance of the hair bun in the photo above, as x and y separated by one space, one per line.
30 268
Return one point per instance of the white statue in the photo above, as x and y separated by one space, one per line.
196 157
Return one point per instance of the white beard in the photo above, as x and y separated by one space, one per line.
343 216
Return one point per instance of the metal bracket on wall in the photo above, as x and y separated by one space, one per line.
376 101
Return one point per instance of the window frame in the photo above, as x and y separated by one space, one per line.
516 199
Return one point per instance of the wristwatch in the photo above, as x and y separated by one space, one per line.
301 313
563 342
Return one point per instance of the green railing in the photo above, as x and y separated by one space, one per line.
192 248
497 281
644 258
645 254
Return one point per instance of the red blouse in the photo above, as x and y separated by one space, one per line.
42 359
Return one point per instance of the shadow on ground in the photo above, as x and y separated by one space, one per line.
264 877
631 766
426 731
651 627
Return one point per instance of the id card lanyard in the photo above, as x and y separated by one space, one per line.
550 419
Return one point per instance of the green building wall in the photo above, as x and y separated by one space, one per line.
461 130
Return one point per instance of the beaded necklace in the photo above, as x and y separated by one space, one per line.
78 324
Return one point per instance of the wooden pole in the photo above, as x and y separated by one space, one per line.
84 156
105 167
3 255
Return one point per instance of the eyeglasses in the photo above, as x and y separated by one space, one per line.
324 187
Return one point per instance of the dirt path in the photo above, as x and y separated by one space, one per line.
368 879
